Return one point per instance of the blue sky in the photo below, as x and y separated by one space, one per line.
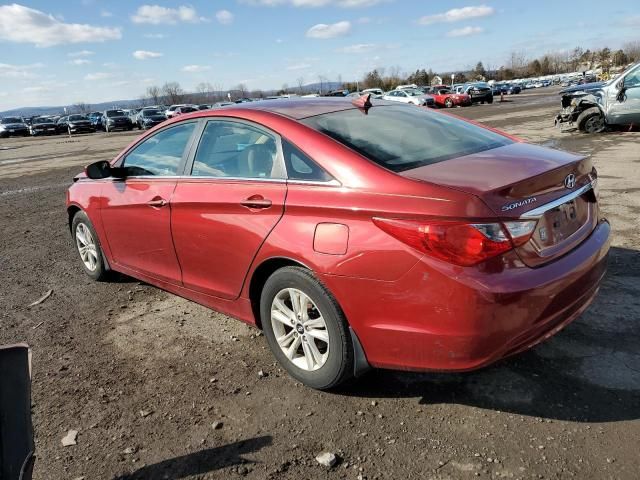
54 53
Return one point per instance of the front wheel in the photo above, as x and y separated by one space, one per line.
448 103
306 329
591 121
88 247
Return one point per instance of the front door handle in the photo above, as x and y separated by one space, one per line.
157 203
256 202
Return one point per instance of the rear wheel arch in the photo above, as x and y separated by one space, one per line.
259 277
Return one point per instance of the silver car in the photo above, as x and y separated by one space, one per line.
617 102
410 95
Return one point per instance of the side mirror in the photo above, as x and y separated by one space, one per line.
99 170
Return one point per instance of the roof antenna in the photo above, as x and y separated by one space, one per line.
363 103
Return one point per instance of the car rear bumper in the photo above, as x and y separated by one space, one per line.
448 318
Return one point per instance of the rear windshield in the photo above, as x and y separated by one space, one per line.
115 113
403 137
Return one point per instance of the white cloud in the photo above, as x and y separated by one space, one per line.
157 15
98 76
79 61
457 15
26 25
196 68
358 48
145 54
225 17
465 31
18 71
314 3
106 13
36 89
299 66
156 36
633 21
324 31
81 53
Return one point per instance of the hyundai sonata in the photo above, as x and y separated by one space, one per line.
355 236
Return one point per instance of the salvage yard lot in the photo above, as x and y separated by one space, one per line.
143 375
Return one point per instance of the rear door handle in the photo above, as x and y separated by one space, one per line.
256 202
157 202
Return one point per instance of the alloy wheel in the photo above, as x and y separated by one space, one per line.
87 247
594 124
300 329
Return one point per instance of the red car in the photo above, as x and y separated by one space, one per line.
389 236
444 97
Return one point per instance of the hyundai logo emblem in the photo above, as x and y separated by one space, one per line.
570 181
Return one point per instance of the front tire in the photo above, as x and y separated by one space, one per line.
306 329
88 247
448 103
591 121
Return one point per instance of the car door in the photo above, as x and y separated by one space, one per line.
136 210
223 211
625 110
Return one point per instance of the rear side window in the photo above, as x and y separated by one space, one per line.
160 154
301 167
401 137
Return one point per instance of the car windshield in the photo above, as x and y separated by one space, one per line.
40 120
12 120
76 117
115 113
400 138
413 92
150 112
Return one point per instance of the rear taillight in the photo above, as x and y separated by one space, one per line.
459 243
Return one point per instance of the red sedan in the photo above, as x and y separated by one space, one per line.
389 236
444 97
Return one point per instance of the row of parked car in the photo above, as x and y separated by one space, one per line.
108 120
437 96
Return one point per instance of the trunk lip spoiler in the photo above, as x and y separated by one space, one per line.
538 212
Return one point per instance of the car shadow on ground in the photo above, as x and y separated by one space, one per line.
201 462
589 372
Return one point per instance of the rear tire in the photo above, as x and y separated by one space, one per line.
88 247
591 121
297 310
448 103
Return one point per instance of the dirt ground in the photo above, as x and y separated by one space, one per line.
143 375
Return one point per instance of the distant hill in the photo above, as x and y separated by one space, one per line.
59 110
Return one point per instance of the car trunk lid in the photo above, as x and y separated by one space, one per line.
528 182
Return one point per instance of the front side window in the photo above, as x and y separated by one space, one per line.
632 79
160 154
232 149
400 138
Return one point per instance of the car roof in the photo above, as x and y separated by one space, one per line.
300 108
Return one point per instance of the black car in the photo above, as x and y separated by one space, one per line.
116 120
42 126
13 126
479 92
150 117
75 124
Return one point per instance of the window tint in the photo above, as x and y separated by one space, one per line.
400 138
301 167
231 149
160 154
